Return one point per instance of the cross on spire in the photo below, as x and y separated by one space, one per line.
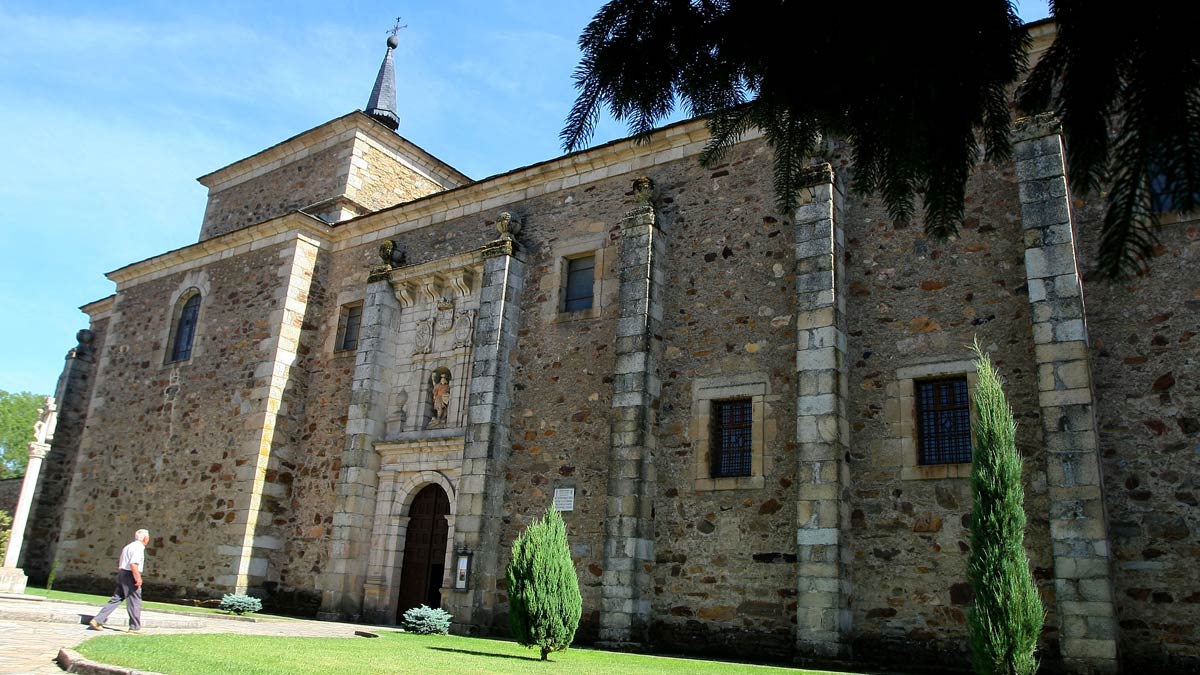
397 28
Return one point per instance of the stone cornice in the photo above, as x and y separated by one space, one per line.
99 309
266 233
342 128
617 158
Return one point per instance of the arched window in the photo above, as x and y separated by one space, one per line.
185 329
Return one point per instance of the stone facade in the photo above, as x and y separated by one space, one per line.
283 458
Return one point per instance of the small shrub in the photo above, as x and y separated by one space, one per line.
240 604
544 604
426 621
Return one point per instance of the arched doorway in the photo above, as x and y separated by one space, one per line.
424 551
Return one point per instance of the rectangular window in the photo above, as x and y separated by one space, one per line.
732 434
581 274
943 421
1164 198
349 322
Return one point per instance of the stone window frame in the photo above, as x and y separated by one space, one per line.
705 390
901 408
581 247
194 282
333 334
339 340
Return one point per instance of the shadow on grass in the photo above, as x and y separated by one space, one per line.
493 655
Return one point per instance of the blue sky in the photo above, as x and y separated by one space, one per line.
109 113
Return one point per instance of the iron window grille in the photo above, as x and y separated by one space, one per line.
185 330
732 433
943 421
580 274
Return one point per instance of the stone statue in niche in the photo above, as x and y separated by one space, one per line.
445 314
440 382
424 337
399 417
464 328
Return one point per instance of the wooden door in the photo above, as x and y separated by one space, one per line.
424 551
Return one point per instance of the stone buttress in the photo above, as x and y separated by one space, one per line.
822 430
1066 395
627 585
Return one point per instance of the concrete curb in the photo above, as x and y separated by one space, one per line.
72 661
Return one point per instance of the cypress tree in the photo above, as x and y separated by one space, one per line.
1007 615
544 604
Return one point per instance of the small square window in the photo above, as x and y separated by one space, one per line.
943 421
349 323
581 274
732 436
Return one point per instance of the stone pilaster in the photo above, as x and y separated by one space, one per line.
822 431
345 579
1078 525
257 539
629 528
12 578
481 487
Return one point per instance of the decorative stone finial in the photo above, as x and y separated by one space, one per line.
85 337
392 254
643 190
508 226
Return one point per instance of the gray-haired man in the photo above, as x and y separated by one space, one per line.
129 584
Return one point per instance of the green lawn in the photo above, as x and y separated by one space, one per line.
99 600
390 654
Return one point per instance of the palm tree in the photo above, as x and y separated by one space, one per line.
916 102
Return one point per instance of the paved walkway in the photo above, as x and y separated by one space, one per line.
32 632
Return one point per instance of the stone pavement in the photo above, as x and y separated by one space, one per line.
31 632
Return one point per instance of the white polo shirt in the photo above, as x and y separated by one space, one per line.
134 553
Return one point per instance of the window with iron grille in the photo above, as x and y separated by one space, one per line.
943 421
185 330
581 273
730 446
349 323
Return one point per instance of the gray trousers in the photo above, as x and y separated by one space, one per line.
131 594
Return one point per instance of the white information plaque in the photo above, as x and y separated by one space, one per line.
564 499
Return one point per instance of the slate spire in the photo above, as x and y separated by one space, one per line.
382 104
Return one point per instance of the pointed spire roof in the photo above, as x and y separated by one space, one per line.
382 104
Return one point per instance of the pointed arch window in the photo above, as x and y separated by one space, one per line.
185 329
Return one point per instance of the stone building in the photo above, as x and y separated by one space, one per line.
370 372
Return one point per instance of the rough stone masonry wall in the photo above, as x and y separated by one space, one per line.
163 445
1145 356
725 570
74 391
377 181
317 177
562 382
915 301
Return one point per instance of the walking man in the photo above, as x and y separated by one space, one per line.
129 584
